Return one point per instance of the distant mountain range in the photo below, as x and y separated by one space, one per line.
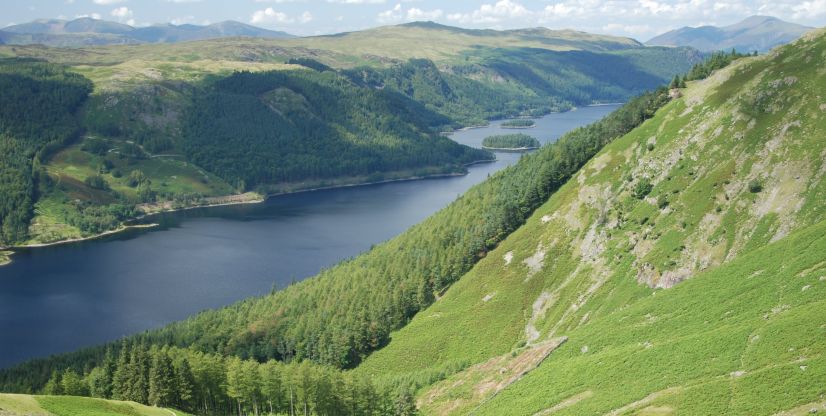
756 33
87 31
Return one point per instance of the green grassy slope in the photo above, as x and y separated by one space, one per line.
745 338
404 42
21 404
734 165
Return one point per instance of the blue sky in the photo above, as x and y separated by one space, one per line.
640 19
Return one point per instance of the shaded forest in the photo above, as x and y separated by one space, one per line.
37 116
286 126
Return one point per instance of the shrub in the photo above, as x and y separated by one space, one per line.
96 182
755 186
643 188
136 178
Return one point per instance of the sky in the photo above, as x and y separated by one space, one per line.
640 19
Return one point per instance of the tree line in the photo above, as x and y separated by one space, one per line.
209 384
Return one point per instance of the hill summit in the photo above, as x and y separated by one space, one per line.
756 33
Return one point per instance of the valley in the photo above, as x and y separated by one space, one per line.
415 218
162 128
281 240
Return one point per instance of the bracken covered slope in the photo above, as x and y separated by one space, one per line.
681 270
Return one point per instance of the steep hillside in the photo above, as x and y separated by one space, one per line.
681 270
37 116
756 33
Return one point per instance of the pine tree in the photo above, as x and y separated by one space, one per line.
184 384
137 382
161 380
675 83
121 378
107 376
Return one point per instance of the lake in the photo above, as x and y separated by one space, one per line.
58 299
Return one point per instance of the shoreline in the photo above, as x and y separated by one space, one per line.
404 179
510 149
260 198
479 126
7 252
122 228
603 104
517 128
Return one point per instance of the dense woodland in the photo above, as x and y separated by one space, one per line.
37 115
462 100
289 126
716 61
499 83
518 124
210 384
510 141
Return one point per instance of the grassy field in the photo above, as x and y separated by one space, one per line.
70 167
19 404
685 264
168 173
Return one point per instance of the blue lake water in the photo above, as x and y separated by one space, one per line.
61 298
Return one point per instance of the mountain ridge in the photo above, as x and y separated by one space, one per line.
90 31
755 33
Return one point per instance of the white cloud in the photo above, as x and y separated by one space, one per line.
182 20
398 14
95 16
392 15
419 14
635 30
279 1
121 13
183 1
357 1
107 2
493 13
809 9
270 15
